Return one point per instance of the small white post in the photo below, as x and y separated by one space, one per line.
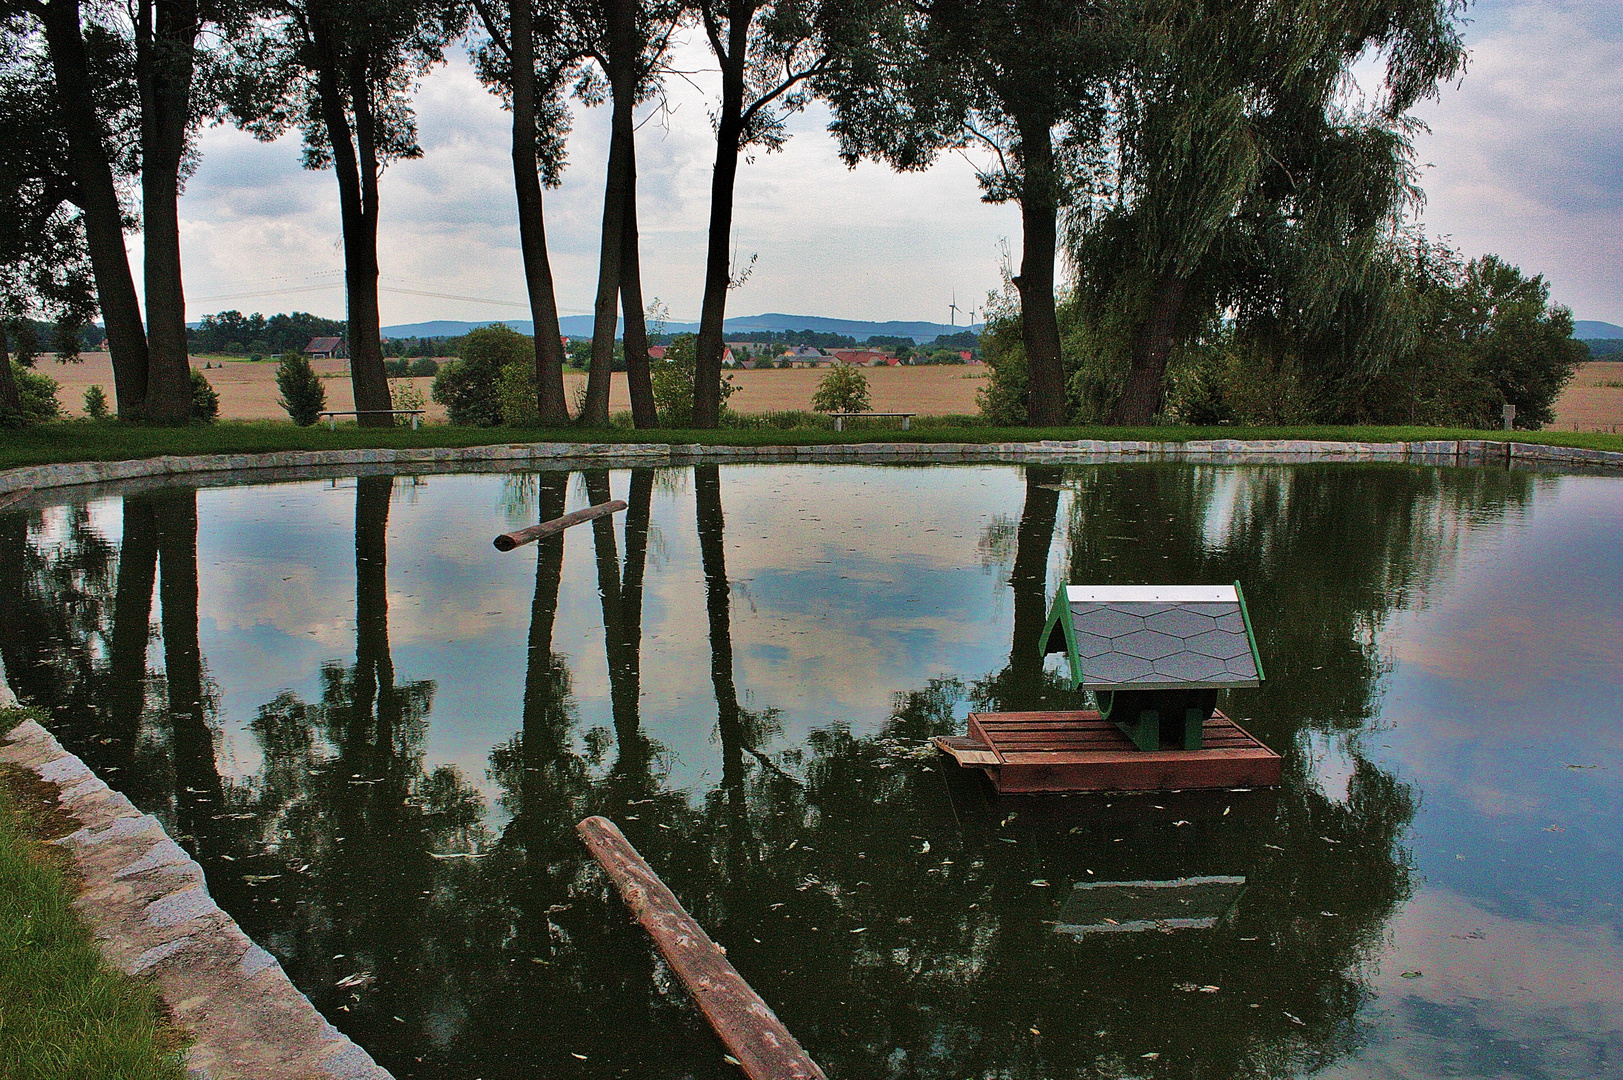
1509 413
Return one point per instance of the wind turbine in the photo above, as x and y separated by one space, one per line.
953 309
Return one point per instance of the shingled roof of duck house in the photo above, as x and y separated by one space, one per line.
1154 637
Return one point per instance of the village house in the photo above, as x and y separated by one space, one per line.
326 348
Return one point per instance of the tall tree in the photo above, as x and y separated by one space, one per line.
166 35
1024 80
1242 178
524 40
626 39
768 54
81 144
341 71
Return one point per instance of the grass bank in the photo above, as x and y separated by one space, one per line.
63 1011
111 441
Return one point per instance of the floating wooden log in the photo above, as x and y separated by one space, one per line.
10 497
745 1024
509 541
1026 752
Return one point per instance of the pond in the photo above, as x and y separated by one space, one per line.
376 733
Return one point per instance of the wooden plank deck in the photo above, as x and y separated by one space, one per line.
1028 752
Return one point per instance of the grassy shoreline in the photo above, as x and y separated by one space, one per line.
63 1010
70 441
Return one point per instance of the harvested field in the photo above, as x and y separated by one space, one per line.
1594 401
248 391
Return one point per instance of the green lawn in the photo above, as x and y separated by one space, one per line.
112 441
63 1011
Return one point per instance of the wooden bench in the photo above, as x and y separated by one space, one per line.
332 417
841 417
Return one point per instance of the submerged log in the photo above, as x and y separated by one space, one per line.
509 541
745 1024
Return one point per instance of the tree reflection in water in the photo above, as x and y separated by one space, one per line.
900 919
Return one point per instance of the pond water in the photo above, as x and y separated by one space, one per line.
376 734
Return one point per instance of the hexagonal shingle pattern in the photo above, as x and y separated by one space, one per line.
1162 644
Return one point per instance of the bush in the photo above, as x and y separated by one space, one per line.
843 389
673 382
303 396
96 403
425 367
515 391
468 386
37 394
205 401
405 395
397 369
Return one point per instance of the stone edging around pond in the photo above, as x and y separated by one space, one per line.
148 906
1450 451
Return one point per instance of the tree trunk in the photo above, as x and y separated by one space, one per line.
1029 578
166 31
356 166
717 272
374 666
622 62
532 229
132 618
1141 399
1039 321
198 789
10 397
639 380
97 197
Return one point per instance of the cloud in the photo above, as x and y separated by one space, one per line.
1526 152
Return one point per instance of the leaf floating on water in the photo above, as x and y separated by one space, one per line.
1034 1031
925 850
1226 810
360 978
1555 828
1583 766
1293 1018
1210 989
1186 987
575 1055
1151 1056
728 1058
1040 883
1180 823
1410 975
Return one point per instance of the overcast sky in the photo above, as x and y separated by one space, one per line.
1524 159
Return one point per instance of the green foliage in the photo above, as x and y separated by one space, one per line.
303 396
235 334
468 387
96 403
404 395
37 394
843 389
424 367
205 400
673 382
1603 348
516 395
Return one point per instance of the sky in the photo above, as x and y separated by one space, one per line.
1523 158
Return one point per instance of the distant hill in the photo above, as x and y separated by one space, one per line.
1588 330
581 326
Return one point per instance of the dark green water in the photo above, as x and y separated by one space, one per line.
376 734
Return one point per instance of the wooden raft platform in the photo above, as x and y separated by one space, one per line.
1026 752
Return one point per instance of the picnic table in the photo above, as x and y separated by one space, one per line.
332 417
841 417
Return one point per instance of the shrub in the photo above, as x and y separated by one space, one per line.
515 391
843 389
37 394
405 395
468 386
205 401
397 369
96 403
673 382
303 396
425 367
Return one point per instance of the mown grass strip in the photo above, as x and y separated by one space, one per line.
111 441
63 1012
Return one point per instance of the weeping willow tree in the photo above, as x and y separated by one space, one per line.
1249 177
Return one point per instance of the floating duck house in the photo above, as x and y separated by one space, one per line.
1155 656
